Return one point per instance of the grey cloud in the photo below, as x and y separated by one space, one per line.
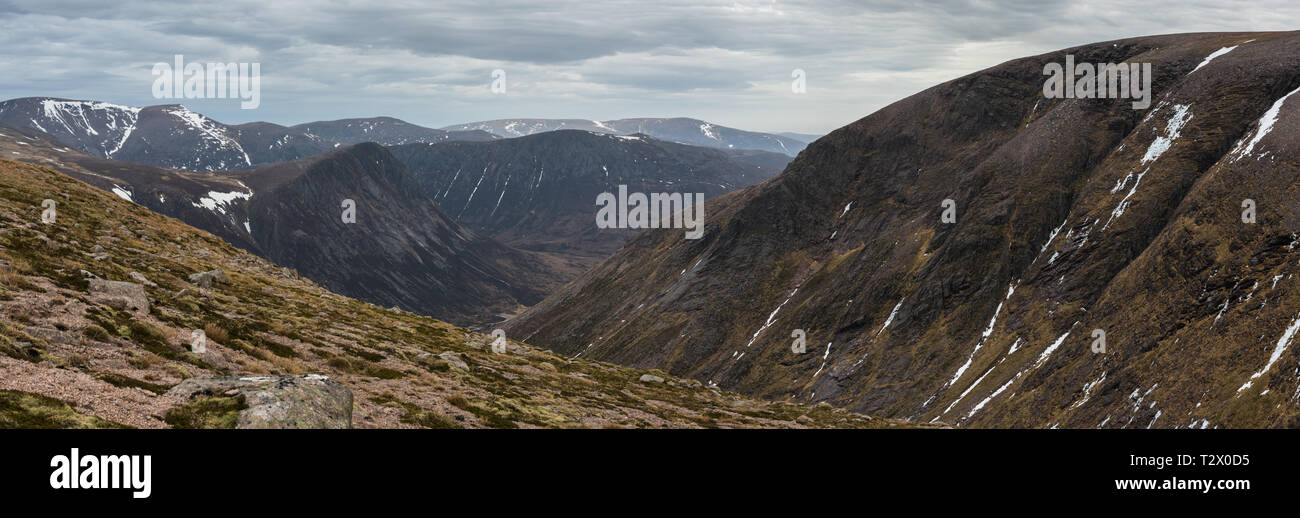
581 58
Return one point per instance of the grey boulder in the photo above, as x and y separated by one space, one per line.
311 401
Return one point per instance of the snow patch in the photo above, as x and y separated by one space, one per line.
1265 126
1211 57
770 318
1278 349
218 201
984 336
1173 129
121 192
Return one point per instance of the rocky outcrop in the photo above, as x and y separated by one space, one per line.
311 401
120 294
205 279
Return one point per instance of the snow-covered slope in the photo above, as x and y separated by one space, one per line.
174 137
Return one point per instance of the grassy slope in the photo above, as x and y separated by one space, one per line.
58 341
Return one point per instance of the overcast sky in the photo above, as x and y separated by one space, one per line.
430 62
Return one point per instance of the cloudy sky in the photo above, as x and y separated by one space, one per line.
430 62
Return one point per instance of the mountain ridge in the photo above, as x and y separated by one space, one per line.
171 136
681 130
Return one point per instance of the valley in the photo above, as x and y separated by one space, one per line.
980 254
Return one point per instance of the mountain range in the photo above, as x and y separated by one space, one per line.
401 251
173 137
467 265
678 129
979 254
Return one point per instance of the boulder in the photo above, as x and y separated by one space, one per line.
140 278
454 360
51 335
311 401
128 295
27 349
650 378
205 279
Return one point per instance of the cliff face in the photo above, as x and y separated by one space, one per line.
1072 218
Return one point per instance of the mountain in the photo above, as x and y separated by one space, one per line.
401 251
198 198
386 131
98 315
510 128
539 192
1097 271
173 137
680 130
168 136
268 143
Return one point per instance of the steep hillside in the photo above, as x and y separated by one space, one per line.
1073 217
401 251
73 354
203 200
539 192
678 129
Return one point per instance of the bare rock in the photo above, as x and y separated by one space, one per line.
140 278
128 295
50 335
454 360
311 401
205 279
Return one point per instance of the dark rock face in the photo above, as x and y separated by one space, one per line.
539 192
1072 217
279 402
